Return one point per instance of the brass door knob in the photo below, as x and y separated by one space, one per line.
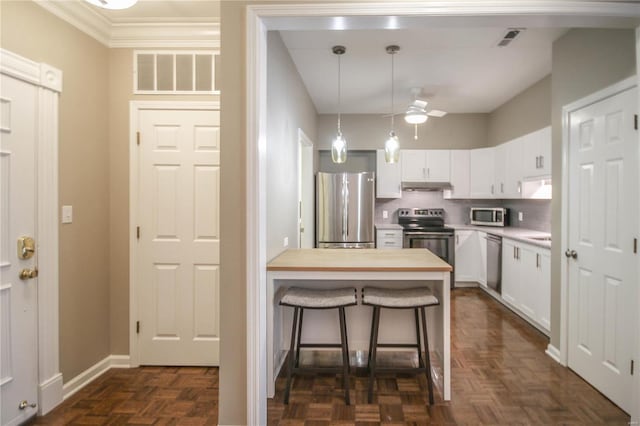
24 404
27 274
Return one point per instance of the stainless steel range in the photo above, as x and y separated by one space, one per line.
424 228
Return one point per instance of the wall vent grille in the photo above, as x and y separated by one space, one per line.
510 35
174 72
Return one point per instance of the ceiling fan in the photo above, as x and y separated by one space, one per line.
417 112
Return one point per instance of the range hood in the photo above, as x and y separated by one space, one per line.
426 186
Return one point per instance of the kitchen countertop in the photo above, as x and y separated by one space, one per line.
374 260
513 233
393 226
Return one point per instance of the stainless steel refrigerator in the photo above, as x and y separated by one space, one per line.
345 210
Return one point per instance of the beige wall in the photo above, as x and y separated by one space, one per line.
233 221
584 61
289 108
34 33
526 112
369 131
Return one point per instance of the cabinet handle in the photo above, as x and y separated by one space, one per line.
514 252
457 239
491 189
424 172
537 260
502 187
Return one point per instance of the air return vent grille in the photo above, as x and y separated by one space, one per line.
510 35
174 72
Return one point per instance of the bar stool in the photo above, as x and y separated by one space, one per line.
411 298
305 298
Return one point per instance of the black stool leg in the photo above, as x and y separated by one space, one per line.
373 316
426 355
299 335
373 349
345 355
291 355
420 362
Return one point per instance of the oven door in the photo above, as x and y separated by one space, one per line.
440 244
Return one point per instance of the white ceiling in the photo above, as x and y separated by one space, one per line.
460 68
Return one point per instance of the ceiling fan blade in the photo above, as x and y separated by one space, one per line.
436 113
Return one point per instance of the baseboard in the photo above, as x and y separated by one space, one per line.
50 394
93 372
554 353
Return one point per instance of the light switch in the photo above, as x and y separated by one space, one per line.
520 216
385 214
286 241
67 214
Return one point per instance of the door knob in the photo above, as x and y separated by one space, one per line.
27 274
24 404
571 253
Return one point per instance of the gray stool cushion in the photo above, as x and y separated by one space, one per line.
319 299
398 297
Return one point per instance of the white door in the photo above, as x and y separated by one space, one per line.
18 297
603 223
178 245
306 202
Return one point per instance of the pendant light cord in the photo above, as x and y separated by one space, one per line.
339 92
392 78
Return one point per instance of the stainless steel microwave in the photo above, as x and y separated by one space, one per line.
489 216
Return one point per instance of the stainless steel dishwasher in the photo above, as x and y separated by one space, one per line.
494 262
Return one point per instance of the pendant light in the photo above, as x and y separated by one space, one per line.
392 145
113 4
339 144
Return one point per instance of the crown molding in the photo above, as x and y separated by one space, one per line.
134 34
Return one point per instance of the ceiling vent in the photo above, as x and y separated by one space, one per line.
510 35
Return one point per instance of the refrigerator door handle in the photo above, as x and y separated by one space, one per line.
345 214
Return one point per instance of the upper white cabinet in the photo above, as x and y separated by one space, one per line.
536 161
459 174
482 171
513 169
388 184
420 165
499 171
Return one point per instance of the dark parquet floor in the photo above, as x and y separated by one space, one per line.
500 376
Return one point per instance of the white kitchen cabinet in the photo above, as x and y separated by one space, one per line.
536 161
459 175
466 255
481 265
426 165
389 238
513 169
499 171
526 281
388 177
481 174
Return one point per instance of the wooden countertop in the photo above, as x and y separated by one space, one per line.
373 260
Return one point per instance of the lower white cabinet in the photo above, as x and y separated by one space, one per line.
389 238
482 264
466 258
526 280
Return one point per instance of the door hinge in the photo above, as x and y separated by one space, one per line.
632 367
137 327
138 232
138 138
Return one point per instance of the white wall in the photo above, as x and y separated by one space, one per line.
289 107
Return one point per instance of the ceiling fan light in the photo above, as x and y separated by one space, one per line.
415 117
113 4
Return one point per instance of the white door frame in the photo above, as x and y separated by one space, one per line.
134 109
303 143
260 19
48 80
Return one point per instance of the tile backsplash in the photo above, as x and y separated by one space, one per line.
536 213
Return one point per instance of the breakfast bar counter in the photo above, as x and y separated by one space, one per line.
334 268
